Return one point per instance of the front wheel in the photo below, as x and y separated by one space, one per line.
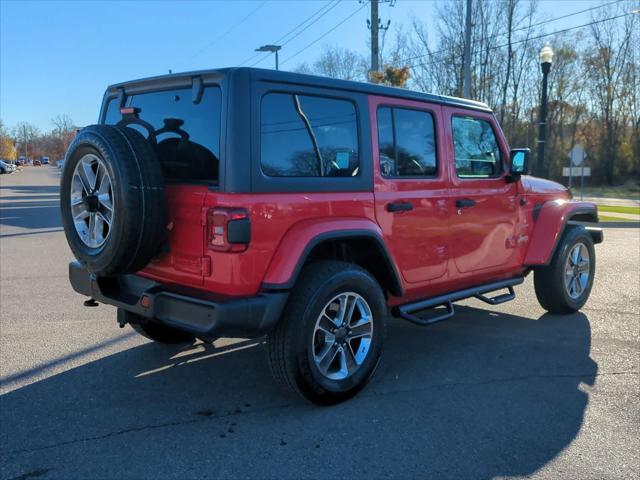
329 342
565 284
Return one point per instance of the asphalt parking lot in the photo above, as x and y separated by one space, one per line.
504 391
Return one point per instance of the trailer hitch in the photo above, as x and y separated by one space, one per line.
90 302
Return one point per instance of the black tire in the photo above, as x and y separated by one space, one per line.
549 281
153 330
139 218
290 345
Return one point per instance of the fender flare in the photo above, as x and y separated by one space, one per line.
296 245
550 223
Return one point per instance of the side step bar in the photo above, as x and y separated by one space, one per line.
407 311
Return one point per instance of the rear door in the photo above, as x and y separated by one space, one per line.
411 186
483 204
187 130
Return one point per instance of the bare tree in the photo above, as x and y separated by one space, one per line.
337 62
393 52
607 61
510 10
440 68
523 68
62 124
62 135
25 134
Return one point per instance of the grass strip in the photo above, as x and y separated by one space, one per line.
615 209
605 218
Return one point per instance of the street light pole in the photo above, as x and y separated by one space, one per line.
546 58
271 48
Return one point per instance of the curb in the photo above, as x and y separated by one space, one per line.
619 224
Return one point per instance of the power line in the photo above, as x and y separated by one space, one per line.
567 15
522 28
289 32
431 62
309 21
324 34
304 29
224 34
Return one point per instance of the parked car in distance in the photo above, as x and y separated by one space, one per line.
6 167
37 163
45 160
307 209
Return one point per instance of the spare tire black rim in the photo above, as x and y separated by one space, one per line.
92 202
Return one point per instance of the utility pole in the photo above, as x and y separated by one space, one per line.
466 83
375 25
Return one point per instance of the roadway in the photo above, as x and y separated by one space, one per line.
504 391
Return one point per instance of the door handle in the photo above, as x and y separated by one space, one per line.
465 203
399 206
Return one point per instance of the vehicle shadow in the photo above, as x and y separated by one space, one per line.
32 207
32 215
486 394
32 189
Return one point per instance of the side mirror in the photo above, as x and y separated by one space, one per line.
520 161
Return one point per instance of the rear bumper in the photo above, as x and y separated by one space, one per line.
207 316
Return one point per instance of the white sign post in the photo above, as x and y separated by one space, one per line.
577 156
576 171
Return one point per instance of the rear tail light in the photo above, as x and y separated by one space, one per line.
228 229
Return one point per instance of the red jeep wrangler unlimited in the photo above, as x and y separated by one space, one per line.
244 202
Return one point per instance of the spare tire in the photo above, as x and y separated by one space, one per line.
112 200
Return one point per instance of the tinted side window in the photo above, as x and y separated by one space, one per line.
188 133
476 149
308 136
406 141
386 143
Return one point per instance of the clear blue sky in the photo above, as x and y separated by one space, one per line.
58 56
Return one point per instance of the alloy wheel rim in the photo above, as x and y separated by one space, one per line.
342 336
92 202
576 271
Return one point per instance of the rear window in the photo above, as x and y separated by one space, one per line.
308 136
188 133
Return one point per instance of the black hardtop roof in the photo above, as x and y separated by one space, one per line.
293 78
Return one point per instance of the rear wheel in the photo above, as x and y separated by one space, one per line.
329 342
565 284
